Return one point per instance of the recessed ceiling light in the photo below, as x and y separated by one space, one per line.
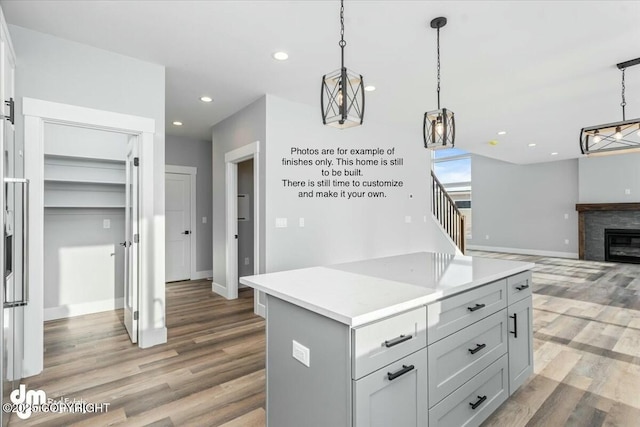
281 56
532 145
554 153
206 99
369 88
502 132
177 123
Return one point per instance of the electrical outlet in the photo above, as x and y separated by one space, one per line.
246 261
627 191
204 219
106 223
486 237
407 219
301 353
566 216
566 241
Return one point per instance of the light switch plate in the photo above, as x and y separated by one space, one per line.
627 191
281 222
301 222
204 219
246 261
301 353
106 223
407 219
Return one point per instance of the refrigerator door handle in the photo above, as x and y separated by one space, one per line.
25 245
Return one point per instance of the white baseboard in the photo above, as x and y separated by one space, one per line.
71 310
554 254
219 289
202 274
150 337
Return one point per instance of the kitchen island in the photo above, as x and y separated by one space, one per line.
409 340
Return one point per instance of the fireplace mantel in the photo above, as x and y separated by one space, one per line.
583 208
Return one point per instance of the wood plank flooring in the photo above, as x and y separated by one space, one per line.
211 371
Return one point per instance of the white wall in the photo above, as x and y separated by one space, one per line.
58 70
244 127
181 151
523 207
340 230
605 179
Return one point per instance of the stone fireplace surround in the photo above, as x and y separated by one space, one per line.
593 218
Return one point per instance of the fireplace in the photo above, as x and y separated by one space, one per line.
622 245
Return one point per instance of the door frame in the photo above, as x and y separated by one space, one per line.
36 114
193 173
231 159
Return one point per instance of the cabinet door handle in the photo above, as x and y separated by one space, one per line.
404 370
515 325
477 349
396 341
477 307
522 288
479 402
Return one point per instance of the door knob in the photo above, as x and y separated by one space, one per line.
186 232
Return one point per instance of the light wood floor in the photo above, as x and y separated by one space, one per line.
211 371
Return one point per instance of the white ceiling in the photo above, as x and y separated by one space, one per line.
541 70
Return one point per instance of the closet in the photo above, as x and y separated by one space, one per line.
84 220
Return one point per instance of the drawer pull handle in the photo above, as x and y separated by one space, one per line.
479 402
515 325
399 340
404 370
477 349
522 288
477 307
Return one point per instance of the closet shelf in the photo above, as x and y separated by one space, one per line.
86 158
82 181
83 207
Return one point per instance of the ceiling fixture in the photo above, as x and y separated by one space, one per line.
438 127
342 91
614 137
502 132
206 99
281 56
554 153
369 88
532 145
177 123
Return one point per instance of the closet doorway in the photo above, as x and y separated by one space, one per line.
87 215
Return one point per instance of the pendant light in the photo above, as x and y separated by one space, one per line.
438 127
342 91
617 137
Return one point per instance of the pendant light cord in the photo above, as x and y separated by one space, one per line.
624 102
438 50
342 43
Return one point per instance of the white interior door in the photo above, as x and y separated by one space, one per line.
178 226
131 242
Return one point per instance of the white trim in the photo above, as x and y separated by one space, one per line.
202 274
71 310
152 312
232 158
87 117
193 173
518 251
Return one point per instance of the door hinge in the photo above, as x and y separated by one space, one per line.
136 238
135 315
11 117
136 161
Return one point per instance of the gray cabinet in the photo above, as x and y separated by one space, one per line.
520 343
395 395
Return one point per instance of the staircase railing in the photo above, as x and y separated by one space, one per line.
447 213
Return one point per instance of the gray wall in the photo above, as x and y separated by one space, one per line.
340 230
524 206
181 151
605 179
245 228
246 126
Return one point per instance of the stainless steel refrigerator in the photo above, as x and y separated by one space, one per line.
13 255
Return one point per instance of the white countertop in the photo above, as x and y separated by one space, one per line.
360 292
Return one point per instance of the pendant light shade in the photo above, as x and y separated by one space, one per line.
342 92
439 126
613 138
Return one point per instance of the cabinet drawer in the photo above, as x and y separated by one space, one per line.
518 287
459 357
395 395
377 344
454 313
472 403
